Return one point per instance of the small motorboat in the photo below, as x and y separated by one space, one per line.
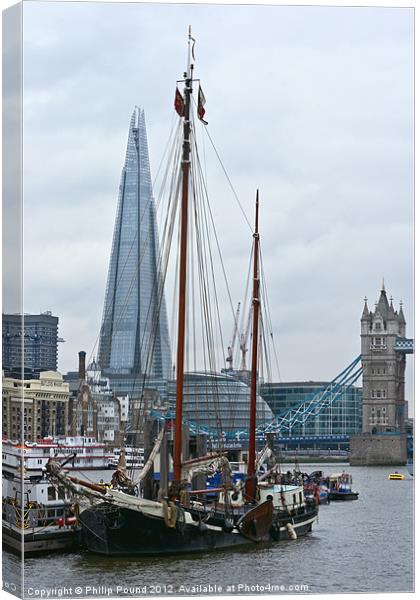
396 476
315 488
340 487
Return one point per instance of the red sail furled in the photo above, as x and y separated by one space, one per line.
179 103
200 108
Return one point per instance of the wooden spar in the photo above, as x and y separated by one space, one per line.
208 490
185 167
91 486
250 482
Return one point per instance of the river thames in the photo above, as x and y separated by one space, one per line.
360 546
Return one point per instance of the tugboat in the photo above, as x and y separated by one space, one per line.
340 485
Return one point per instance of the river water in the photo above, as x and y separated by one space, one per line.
360 546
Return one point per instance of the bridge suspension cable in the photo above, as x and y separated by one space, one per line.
316 404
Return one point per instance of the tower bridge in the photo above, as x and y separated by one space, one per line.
404 345
382 365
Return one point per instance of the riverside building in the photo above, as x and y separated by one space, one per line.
35 408
218 401
343 417
94 409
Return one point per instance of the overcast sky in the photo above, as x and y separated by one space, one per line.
312 105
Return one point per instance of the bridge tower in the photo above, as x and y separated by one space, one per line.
383 439
384 406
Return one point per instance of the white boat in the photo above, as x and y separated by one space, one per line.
82 452
34 511
134 458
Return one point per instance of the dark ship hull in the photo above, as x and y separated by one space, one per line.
343 496
121 531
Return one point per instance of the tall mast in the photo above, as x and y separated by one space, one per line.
250 483
185 168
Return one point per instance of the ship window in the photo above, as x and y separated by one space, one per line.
51 493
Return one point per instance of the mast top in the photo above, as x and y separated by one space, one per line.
257 205
190 66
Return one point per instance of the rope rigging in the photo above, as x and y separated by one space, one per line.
201 293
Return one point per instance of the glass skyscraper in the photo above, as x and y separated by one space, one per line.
134 338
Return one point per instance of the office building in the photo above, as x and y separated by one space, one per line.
344 416
29 344
218 401
134 338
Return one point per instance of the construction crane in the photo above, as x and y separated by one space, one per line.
231 347
244 340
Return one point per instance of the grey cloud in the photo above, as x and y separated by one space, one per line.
313 105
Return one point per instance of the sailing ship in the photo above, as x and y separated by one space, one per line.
116 520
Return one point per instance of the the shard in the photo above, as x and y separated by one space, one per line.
134 338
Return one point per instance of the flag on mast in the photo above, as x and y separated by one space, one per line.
179 103
200 108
